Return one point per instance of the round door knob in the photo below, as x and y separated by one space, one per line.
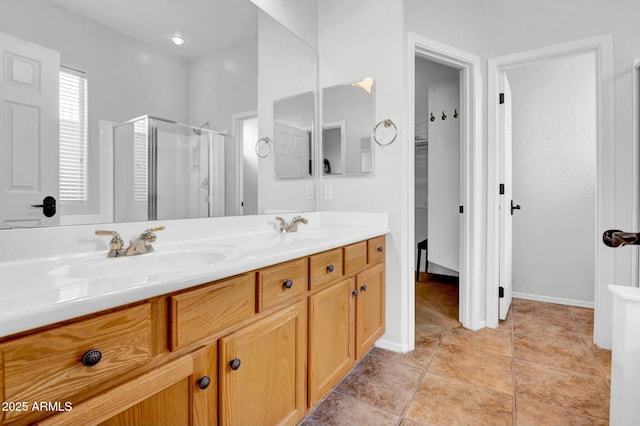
354 293
380 249
91 358
287 284
235 364
363 288
204 382
330 268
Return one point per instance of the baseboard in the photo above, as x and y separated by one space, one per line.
558 300
392 346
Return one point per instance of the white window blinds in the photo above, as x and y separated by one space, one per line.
73 136
140 160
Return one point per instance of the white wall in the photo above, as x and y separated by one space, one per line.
359 39
554 176
299 16
286 67
124 75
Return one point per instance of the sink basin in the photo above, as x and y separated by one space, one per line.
159 262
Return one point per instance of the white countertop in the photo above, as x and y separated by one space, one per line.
39 291
625 292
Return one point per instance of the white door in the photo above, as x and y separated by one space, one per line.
291 151
29 81
506 217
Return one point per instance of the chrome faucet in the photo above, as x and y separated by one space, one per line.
116 245
142 244
291 226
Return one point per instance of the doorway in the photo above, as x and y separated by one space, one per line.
471 276
601 49
245 126
437 196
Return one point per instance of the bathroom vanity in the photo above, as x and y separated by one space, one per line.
261 346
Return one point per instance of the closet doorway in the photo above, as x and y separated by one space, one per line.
437 197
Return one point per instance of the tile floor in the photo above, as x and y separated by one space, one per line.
539 367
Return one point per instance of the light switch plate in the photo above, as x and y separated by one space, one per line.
310 192
328 192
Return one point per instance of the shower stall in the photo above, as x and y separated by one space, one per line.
167 170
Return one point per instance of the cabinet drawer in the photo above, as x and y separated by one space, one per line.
376 249
355 257
283 282
325 267
197 314
48 366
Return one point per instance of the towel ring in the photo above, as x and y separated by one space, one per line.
387 123
267 141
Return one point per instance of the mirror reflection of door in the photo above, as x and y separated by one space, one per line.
29 132
293 136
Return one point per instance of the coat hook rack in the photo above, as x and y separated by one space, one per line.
444 117
455 113
432 118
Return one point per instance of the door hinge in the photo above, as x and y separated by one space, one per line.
502 189
501 101
500 291
241 203
461 209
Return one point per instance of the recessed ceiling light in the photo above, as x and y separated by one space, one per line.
177 39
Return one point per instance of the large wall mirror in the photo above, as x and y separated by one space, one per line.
176 84
347 120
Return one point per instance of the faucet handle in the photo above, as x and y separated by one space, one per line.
159 228
116 245
149 234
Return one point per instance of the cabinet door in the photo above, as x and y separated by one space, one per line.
370 308
331 337
262 370
167 395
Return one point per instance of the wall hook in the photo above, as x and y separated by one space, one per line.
444 117
455 113
432 118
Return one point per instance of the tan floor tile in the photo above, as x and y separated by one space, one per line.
562 389
485 339
533 413
445 401
338 410
418 358
558 352
544 326
540 309
408 422
481 368
581 314
382 382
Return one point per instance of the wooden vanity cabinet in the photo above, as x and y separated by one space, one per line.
263 370
180 392
347 318
258 348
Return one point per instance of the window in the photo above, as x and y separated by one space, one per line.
73 136
140 161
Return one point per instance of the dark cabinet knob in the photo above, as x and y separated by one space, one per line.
380 249
354 293
330 268
91 358
235 364
363 288
287 284
204 382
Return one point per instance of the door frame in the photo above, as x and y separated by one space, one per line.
602 46
471 300
237 120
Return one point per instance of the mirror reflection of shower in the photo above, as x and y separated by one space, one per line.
167 170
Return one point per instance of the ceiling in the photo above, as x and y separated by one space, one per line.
206 25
